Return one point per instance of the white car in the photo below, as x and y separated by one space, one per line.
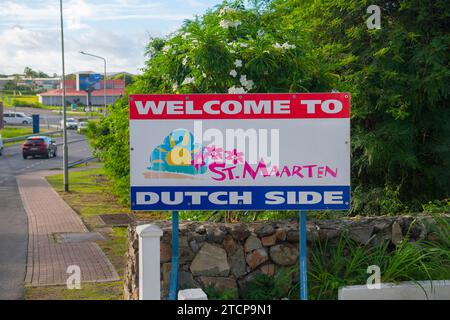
1 144
16 118
71 123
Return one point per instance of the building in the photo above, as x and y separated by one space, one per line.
37 84
114 90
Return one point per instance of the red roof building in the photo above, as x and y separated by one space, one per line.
114 90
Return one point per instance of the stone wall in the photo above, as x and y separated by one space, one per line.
228 256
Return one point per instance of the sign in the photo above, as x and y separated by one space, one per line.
88 82
74 107
240 152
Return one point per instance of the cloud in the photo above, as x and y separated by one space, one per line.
116 29
41 50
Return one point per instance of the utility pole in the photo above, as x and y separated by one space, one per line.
65 149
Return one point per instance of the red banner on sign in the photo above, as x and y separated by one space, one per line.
240 106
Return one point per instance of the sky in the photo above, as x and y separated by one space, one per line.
116 29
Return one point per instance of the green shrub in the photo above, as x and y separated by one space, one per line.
279 286
215 294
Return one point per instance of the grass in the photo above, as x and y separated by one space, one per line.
88 291
12 132
345 262
22 100
90 195
33 102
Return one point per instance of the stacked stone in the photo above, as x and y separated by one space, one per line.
229 256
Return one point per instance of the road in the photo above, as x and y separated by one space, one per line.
48 118
13 218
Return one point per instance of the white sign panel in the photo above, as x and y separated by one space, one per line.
240 152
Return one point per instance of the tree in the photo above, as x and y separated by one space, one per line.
399 79
29 73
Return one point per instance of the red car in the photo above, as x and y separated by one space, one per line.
39 146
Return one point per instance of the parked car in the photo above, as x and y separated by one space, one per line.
82 127
71 123
39 146
1 144
16 118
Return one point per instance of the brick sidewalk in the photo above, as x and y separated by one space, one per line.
48 216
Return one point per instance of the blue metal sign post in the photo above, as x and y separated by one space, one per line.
175 258
303 258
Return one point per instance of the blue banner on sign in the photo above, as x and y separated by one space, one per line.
89 82
240 198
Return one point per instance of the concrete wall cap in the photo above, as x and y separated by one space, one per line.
149 230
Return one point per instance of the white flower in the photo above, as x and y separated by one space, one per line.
233 73
224 24
175 87
188 80
285 46
288 46
243 45
184 61
260 33
236 90
249 85
166 48
203 75
225 10
277 46
185 35
227 24
238 63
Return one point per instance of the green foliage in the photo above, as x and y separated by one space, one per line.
110 138
30 73
215 294
268 288
399 79
437 206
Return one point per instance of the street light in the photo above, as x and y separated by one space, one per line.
104 80
65 149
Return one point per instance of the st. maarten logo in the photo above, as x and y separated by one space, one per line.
178 154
